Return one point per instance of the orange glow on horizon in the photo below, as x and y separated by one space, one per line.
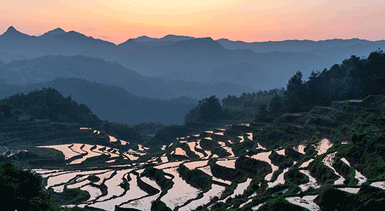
247 20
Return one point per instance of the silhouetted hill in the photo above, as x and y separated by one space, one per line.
48 103
168 38
144 39
57 31
98 70
240 73
178 56
289 45
13 33
199 44
113 103
174 38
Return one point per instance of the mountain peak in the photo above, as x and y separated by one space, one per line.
172 37
11 31
57 31
144 38
203 43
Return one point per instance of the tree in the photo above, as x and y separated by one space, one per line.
262 113
6 109
294 92
209 109
295 83
276 106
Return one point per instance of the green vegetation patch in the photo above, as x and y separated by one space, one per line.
195 178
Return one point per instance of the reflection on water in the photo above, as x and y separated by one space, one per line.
361 178
255 208
323 146
112 139
228 149
350 190
250 136
180 151
306 202
64 148
215 190
264 156
328 161
58 189
241 188
227 163
312 181
164 159
300 148
306 164
63 178
134 193
113 185
180 193
168 165
280 179
93 191
380 184
242 139
219 133
281 152
143 204
192 145
196 164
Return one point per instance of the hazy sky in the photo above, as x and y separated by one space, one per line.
247 20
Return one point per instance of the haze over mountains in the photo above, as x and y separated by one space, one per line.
268 64
112 103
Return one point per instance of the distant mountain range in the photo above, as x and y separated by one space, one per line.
190 59
112 103
48 68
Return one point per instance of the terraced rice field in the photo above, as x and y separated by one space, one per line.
122 188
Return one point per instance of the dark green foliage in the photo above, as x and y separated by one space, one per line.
220 151
295 177
294 92
159 206
48 103
321 172
293 154
75 196
280 204
224 172
355 78
196 177
262 113
188 151
367 155
169 133
280 160
93 178
207 144
122 131
208 110
276 107
146 187
159 177
22 189
253 166
6 109
238 148
368 198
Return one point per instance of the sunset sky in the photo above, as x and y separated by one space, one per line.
247 20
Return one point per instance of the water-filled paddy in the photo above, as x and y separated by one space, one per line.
180 193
